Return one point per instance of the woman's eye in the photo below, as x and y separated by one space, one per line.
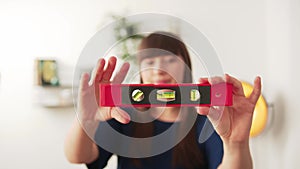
149 62
172 60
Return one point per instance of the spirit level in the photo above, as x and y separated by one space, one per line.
170 95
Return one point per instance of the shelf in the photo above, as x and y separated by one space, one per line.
52 97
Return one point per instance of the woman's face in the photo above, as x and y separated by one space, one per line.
162 69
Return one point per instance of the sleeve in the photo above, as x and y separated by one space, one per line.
101 161
214 151
104 155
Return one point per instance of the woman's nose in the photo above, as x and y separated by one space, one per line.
159 71
160 68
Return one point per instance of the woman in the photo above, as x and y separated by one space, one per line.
228 147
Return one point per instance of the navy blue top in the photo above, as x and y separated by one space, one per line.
212 148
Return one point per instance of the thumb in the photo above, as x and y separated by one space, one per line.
120 115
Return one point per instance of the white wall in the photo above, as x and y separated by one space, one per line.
32 136
277 147
251 37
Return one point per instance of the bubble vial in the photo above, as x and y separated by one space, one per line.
165 95
137 95
194 95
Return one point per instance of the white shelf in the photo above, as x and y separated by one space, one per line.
51 97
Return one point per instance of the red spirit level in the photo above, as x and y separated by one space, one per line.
170 95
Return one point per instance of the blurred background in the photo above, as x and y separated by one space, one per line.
257 37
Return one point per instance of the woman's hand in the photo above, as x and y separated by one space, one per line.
88 109
79 145
233 123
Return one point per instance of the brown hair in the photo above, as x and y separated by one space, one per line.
186 153
166 43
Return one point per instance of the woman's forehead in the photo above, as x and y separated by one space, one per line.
155 53
161 57
151 52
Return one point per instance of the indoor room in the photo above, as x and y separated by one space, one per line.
47 45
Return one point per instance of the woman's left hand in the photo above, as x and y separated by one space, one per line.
233 123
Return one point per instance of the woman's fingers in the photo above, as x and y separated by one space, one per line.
99 70
212 80
120 115
122 73
107 113
103 76
111 64
202 110
203 80
256 90
216 80
84 81
213 112
237 85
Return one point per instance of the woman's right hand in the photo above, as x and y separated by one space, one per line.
88 97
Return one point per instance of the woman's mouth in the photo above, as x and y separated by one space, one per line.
162 81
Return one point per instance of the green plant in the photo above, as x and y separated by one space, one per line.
127 36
